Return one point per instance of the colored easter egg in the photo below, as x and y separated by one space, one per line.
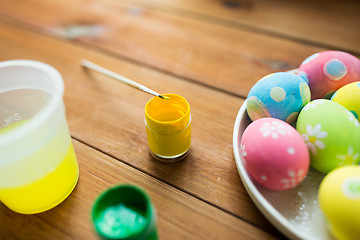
279 95
274 154
300 73
339 200
349 97
331 133
328 71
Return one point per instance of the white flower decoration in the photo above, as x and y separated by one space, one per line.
293 178
349 158
263 177
352 118
312 104
312 136
273 129
243 153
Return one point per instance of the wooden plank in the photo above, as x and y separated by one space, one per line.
109 116
179 215
332 23
224 58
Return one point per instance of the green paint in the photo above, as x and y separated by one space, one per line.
124 212
121 221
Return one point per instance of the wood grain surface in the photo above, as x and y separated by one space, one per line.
116 111
179 216
331 24
108 116
210 52
185 47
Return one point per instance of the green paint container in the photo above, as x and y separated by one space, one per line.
124 212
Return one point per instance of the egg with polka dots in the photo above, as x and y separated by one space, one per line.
339 200
328 71
274 154
278 95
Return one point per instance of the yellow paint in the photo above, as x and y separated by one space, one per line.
43 179
166 98
168 115
168 126
12 126
45 193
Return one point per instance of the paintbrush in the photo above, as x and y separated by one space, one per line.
95 67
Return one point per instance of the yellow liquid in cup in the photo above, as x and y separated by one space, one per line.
168 126
52 187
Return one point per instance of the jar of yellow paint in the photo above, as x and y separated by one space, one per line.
38 166
168 127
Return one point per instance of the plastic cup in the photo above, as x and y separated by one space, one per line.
168 127
124 212
38 167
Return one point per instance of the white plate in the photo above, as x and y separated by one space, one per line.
294 212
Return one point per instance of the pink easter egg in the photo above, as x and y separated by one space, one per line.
274 154
328 71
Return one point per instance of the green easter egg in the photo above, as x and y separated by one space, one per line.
331 133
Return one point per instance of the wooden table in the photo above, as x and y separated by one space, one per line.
209 51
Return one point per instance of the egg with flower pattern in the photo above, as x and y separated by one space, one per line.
274 154
328 71
331 133
279 95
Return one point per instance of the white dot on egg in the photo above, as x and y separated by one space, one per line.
277 94
263 177
351 188
291 151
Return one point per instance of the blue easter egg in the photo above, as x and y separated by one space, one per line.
278 95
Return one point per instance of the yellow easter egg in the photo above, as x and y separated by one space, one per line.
339 199
349 97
